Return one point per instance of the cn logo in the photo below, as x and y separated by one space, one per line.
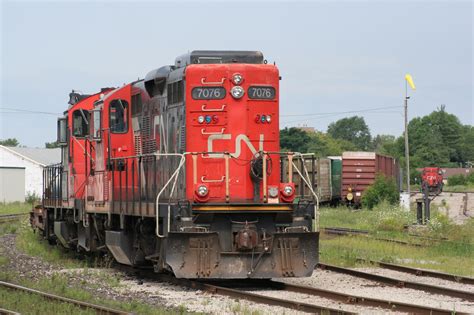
238 145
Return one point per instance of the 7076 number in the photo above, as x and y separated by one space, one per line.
262 92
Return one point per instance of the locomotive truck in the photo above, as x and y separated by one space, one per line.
182 171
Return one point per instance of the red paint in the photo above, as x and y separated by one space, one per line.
238 120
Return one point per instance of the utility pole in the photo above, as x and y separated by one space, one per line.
408 80
407 154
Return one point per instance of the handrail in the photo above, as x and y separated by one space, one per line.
203 81
307 182
174 177
204 180
204 132
204 109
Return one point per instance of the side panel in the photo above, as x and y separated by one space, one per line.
336 170
324 180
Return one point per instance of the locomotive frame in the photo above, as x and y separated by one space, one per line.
183 171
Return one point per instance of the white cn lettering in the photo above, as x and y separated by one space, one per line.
238 145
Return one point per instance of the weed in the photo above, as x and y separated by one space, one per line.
14 207
454 255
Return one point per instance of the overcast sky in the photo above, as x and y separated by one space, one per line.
333 56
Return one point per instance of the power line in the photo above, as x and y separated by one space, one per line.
25 111
326 115
346 112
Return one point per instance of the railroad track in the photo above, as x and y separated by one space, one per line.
8 312
85 305
422 272
356 232
468 296
12 217
229 288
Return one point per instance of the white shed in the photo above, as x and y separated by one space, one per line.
33 160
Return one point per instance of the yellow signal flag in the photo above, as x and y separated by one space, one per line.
410 81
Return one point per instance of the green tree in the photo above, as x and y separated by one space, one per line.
353 129
10 142
294 139
467 144
51 145
385 144
322 144
435 139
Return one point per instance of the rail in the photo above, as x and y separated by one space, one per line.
422 272
469 296
85 305
236 289
12 217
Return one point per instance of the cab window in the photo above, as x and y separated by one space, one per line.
80 123
118 116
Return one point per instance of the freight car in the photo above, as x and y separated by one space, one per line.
181 171
359 170
325 175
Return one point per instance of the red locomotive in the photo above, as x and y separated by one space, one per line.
182 171
432 180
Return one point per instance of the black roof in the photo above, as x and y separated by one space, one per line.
219 56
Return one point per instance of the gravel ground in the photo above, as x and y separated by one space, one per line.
117 285
128 288
311 299
361 287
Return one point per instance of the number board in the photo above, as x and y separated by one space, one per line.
261 92
208 93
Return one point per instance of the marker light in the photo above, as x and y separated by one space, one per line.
202 191
263 119
208 119
269 118
257 119
215 119
273 191
237 92
200 119
237 78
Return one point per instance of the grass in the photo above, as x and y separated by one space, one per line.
10 227
455 255
59 284
31 244
459 188
14 207
26 303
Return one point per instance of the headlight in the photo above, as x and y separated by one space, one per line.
237 92
288 190
202 191
237 79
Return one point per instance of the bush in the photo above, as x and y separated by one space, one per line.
456 180
383 189
470 178
32 198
